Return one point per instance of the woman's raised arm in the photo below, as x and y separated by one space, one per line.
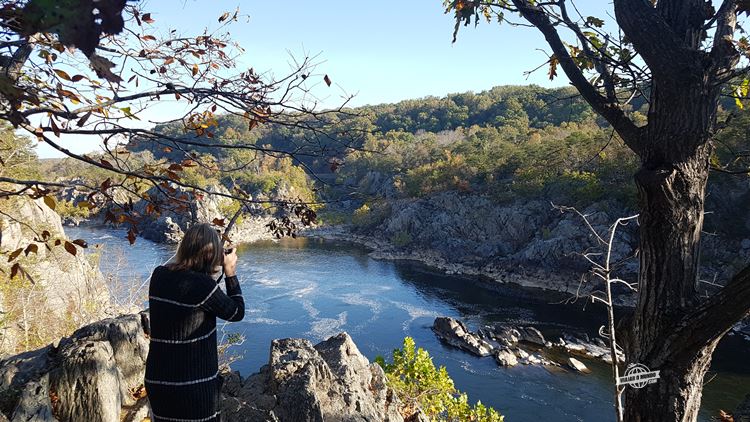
228 306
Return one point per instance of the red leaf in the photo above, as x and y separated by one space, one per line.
219 222
31 248
82 243
15 254
82 120
327 80
147 18
71 248
131 236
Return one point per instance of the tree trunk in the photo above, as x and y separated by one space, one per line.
673 330
672 204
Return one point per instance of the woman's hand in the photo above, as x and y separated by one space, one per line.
230 262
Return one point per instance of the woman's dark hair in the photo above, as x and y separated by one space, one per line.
200 250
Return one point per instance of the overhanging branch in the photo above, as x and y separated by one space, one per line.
629 132
721 311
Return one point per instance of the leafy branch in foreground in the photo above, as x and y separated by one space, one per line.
422 386
97 72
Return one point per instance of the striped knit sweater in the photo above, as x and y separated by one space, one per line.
182 366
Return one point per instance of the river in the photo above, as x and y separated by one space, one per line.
313 289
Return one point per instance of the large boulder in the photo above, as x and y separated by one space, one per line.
88 376
455 333
331 381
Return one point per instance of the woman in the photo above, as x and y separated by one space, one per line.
184 300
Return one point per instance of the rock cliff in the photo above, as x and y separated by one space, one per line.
62 291
96 375
528 242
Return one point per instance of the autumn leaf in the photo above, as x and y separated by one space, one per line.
63 74
82 120
219 222
195 69
553 62
147 18
103 68
223 17
131 236
138 392
31 248
82 243
14 270
15 254
327 80
50 202
70 248
55 129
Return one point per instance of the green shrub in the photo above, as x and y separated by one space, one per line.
420 385
67 209
332 218
228 208
362 216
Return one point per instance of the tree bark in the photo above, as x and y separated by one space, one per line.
672 201
673 330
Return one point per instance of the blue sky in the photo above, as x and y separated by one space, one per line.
382 51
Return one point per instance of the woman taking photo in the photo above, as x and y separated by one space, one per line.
184 300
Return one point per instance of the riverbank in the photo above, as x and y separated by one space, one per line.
559 285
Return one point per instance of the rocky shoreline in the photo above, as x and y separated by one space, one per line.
565 283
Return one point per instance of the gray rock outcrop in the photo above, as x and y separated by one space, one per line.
96 375
168 226
513 345
331 381
91 375
61 290
455 333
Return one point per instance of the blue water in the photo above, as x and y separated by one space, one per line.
314 289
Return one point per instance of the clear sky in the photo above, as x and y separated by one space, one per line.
382 51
